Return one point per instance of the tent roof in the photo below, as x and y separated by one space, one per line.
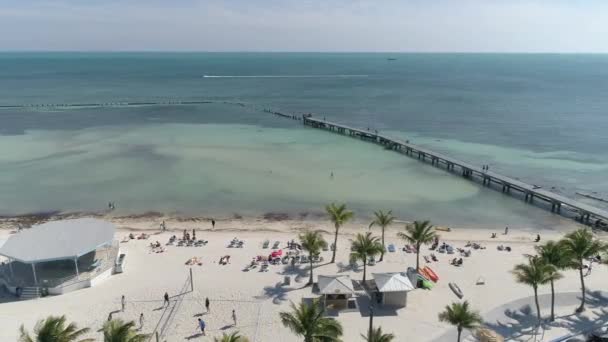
58 240
335 284
392 282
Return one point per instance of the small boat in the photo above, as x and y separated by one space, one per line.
457 291
391 59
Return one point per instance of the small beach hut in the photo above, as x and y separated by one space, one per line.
336 290
392 288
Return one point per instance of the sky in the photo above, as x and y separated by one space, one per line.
565 26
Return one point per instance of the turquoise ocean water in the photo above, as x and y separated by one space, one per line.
541 118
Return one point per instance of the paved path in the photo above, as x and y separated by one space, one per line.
516 321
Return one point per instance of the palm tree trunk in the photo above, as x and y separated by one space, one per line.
580 272
364 268
333 256
552 302
310 281
459 332
537 304
417 257
383 248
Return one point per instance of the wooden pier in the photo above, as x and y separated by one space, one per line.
583 212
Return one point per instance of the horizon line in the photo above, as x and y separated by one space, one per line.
312 51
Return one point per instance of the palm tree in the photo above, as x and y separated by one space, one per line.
234 337
580 245
313 242
365 246
553 254
461 316
54 329
310 322
536 272
418 233
383 219
339 215
118 330
378 336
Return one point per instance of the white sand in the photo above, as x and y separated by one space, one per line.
258 299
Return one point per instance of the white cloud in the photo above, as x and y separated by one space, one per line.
308 25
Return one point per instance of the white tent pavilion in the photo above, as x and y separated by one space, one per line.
336 290
49 249
392 288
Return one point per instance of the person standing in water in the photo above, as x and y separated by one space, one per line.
212 223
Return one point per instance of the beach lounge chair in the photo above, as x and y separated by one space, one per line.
325 248
391 248
264 267
304 259
276 245
426 258
371 261
265 244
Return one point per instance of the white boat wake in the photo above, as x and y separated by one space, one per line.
283 76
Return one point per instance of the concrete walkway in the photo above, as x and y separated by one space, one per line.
516 321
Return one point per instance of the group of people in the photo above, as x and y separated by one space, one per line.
202 325
111 205
186 235
485 167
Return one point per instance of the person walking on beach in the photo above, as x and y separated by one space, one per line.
141 321
122 303
166 299
207 303
234 317
201 325
506 230
193 234
212 223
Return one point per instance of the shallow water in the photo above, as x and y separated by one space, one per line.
540 118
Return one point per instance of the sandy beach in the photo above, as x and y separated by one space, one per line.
258 297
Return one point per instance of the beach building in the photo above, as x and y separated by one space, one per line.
392 288
58 257
336 291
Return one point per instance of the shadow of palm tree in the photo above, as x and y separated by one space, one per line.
278 293
523 322
298 271
342 267
595 317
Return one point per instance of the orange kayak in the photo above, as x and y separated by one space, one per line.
424 273
432 275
